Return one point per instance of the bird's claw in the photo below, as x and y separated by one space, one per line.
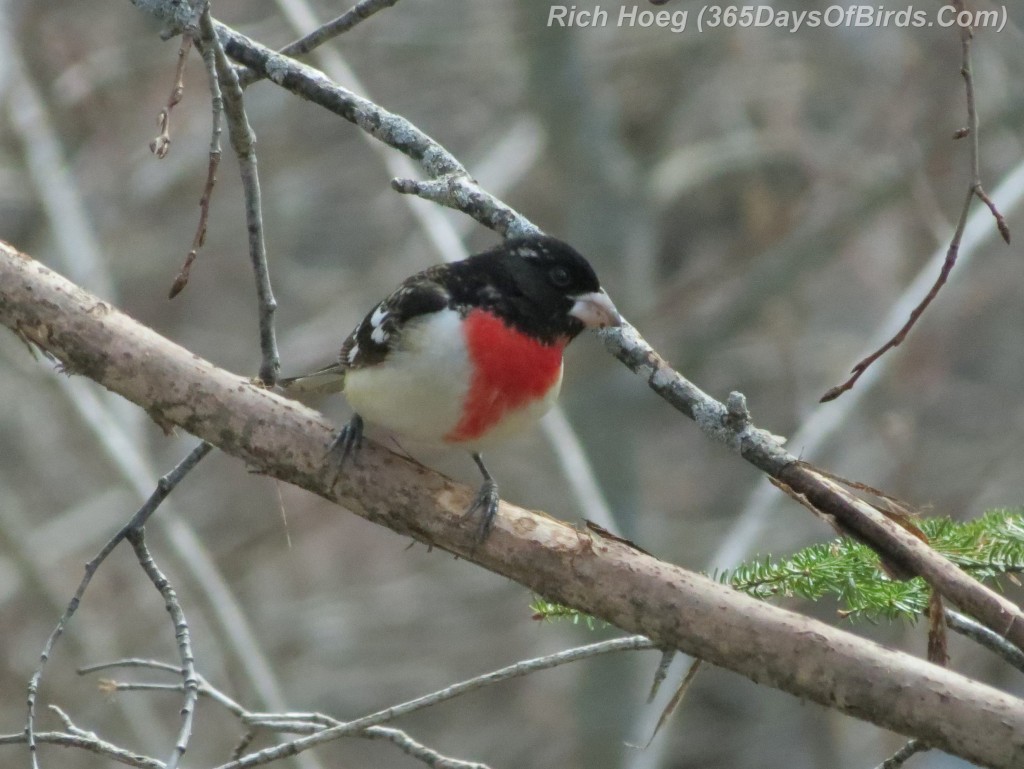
485 505
347 443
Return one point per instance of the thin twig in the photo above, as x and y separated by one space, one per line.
204 687
243 140
163 487
161 144
130 662
411 747
966 626
975 190
389 714
677 697
91 743
190 681
899 758
358 13
128 457
667 655
311 84
967 71
217 108
321 727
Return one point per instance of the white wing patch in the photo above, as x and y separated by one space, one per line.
380 315
353 354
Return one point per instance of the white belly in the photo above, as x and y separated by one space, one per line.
412 394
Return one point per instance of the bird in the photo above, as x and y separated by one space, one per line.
466 353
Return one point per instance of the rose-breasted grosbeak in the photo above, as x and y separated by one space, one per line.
469 352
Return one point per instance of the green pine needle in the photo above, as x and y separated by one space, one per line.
987 548
546 611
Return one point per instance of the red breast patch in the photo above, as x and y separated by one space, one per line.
510 369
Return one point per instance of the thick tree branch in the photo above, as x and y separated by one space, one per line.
606 578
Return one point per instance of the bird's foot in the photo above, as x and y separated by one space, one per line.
485 506
346 444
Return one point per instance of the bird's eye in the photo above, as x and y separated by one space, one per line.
559 277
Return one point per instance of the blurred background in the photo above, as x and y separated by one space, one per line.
756 201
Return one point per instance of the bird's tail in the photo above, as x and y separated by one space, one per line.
330 379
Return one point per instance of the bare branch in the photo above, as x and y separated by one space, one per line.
982 635
217 108
336 729
161 145
895 341
360 12
311 84
672 607
900 757
901 551
164 487
243 140
329 729
410 747
205 688
967 71
90 743
190 679
974 190
357 14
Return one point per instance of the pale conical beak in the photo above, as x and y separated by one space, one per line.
596 310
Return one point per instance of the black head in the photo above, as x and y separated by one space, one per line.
540 285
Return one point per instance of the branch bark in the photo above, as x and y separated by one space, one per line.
609 579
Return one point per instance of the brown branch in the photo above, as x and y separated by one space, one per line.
161 144
605 578
975 190
967 72
940 281
217 109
